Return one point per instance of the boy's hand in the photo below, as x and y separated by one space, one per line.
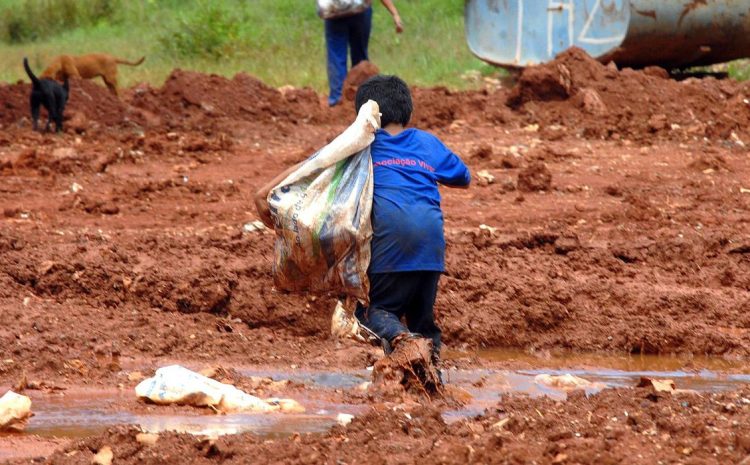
264 211
398 23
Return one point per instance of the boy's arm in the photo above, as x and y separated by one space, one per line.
452 171
261 196
388 4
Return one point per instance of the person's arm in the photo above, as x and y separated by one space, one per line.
261 196
388 4
450 171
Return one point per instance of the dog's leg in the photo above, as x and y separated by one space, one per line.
111 82
59 116
35 102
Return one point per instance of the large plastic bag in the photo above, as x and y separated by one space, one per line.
321 215
329 9
178 385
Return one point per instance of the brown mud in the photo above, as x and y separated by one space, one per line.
122 245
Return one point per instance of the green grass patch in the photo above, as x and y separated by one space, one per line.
279 41
739 70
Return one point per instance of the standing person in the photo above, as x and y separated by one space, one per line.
348 30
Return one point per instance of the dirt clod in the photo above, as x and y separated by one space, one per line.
535 177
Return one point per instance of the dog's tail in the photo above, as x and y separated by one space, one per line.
34 79
131 63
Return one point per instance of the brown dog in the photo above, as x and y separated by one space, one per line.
88 67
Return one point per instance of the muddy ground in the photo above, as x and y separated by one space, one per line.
616 220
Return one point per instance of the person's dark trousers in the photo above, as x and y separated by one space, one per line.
407 294
344 34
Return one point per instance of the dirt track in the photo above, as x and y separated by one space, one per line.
618 222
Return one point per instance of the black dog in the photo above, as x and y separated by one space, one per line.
49 93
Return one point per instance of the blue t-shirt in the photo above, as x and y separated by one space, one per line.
407 221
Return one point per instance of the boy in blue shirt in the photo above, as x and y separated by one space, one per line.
408 246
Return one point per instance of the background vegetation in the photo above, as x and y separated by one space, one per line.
279 41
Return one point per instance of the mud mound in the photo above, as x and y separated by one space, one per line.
357 75
558 80
577 91
187 93
14 102
97 103
441 107
89 103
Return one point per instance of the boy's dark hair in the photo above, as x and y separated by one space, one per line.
392 95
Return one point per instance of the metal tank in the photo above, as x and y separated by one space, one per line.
637 33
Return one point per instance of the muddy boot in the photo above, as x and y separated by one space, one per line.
408 367
390 346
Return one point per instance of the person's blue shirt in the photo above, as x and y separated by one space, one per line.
407 220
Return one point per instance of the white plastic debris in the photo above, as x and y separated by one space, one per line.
253 226
178 385
15 411
485 177
344 324
344 419
565 382
103 457
489 229
75 187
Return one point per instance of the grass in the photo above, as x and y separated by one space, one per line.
279 41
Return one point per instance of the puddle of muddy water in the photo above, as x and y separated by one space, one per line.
80 416
486 386
565 359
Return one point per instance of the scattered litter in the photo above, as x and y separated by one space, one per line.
485 177
736 139
178 385
565 382
531 128
489 229
15 411
500 424
103 457
659 385
344 324
744 190
364 386
253 226
344 419
75 187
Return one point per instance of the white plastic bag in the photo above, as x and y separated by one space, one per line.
321 215
178 385
15 411
330 9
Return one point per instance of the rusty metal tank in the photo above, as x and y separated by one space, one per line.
637 33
